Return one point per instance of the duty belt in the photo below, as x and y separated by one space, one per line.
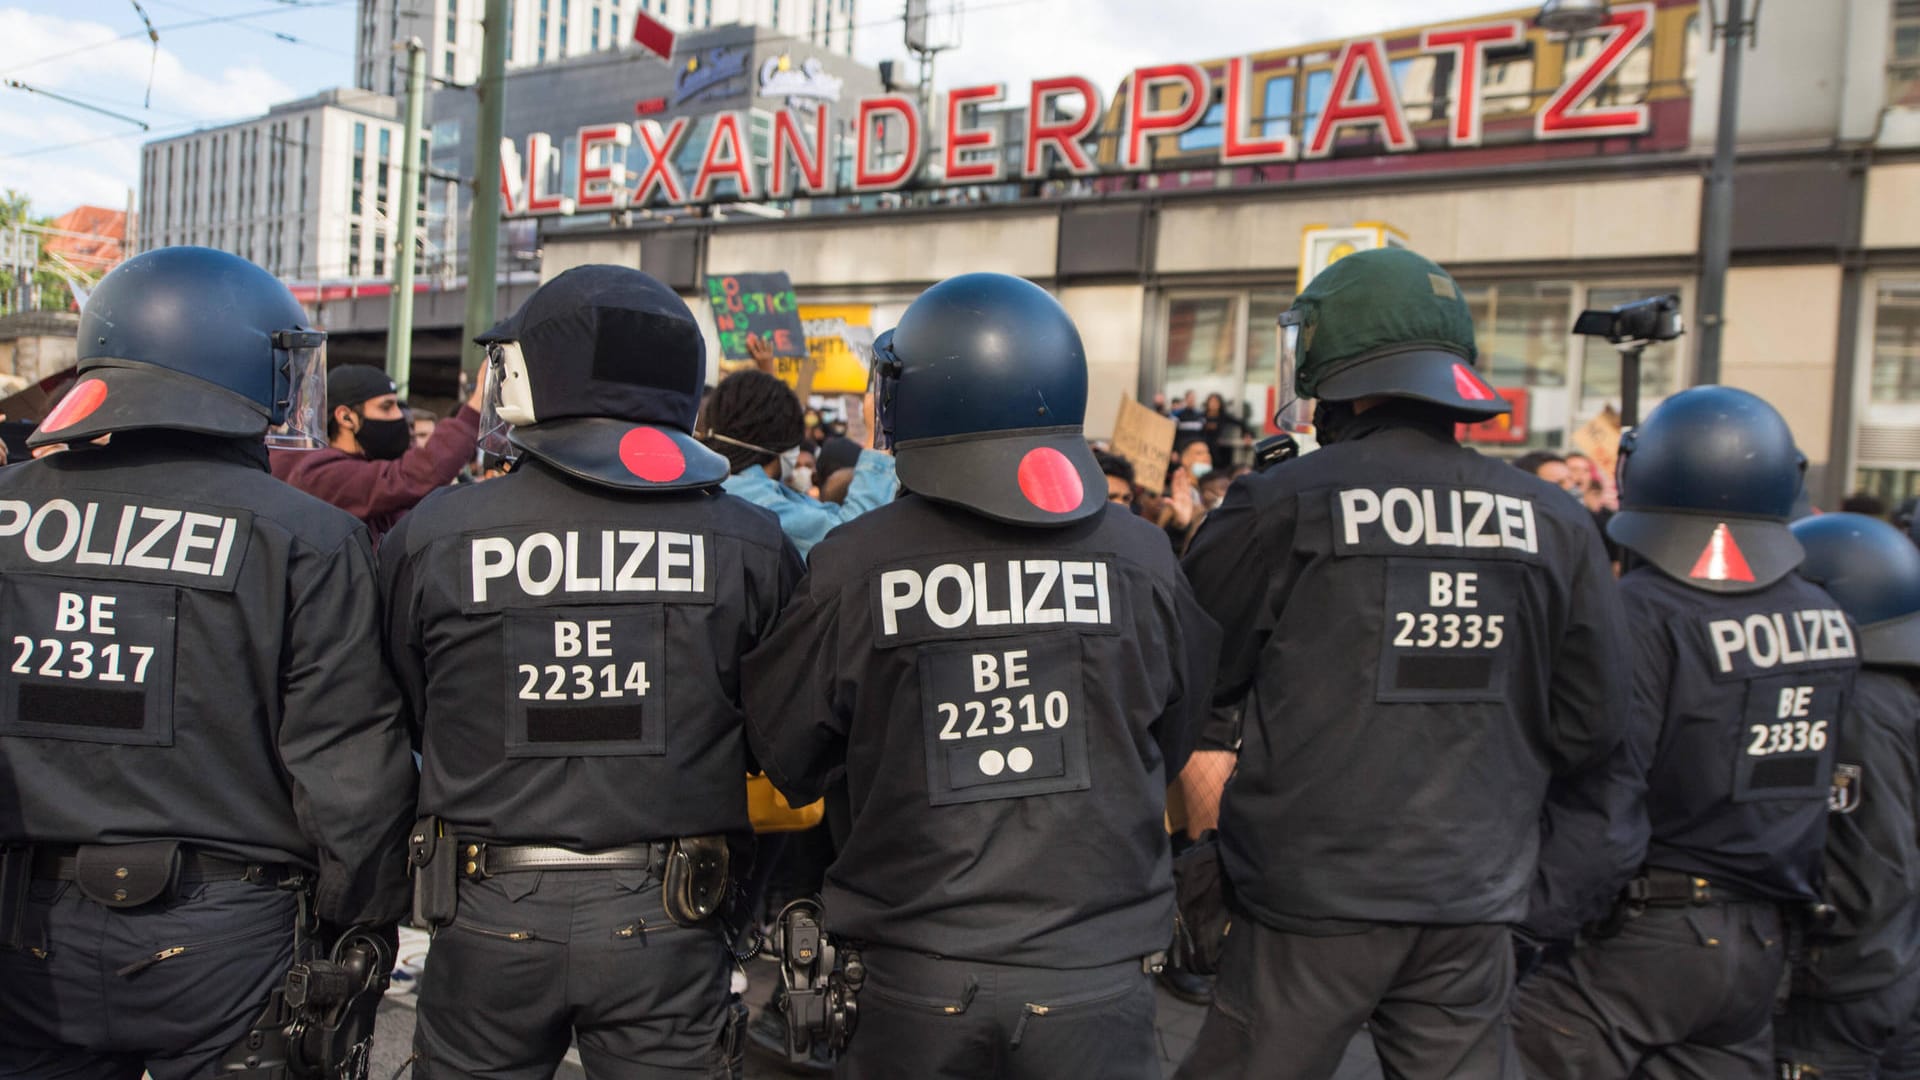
479 861
58 862
1656 887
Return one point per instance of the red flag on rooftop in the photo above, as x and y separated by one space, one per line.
652 35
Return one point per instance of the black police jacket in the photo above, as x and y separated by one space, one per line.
1737 707
570 655
1006 706
1429 635
194 654
1872 861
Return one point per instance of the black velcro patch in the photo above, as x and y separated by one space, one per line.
1443 673
1785 772
583 723
84 706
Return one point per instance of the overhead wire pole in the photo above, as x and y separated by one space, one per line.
483 238
400 311
1717 235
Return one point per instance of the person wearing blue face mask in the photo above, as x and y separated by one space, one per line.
756 422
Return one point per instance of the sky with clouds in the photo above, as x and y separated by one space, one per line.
222 60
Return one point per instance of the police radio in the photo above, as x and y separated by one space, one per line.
822 981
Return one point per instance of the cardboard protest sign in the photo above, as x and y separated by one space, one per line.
839 346
761 304
1599 439
1145 438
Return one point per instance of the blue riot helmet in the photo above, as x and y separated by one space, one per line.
599 375
1873 572
981 391
1707 485
198 340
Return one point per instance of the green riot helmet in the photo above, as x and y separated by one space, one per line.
1386 323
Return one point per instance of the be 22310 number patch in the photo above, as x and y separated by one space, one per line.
1003 718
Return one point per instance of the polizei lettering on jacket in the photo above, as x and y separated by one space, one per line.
1371 521
1767 640
114 539
561 565
965 596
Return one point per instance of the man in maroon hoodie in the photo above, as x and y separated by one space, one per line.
368 469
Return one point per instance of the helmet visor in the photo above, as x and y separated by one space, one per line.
1296 415
882 377
494 427
302 356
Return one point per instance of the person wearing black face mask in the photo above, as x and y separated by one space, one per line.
370 468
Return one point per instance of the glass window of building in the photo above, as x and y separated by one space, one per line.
1201 333
1522 332
1896 343
1903 67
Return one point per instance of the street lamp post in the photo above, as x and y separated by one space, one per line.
1716 240
1717 230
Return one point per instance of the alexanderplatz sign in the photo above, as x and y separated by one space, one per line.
1353 103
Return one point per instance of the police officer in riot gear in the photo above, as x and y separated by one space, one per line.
1857 982
1007 672
203 776
1741 672
568 639
1428 637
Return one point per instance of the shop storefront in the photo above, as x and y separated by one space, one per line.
1550 176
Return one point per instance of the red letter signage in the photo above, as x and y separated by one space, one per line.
867 178
984 168
1342 108
812 164
715 164
1142 119
1469 45
603 185
540 157
1236 149
1063 136
660 170
511 178
1630 24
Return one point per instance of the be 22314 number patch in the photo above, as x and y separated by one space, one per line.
586 682
1003 718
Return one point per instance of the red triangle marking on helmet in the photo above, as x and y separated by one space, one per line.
1469 386
650 455
1049 481
1721 559
80 403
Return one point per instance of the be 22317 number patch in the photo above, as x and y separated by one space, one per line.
91 661
1003 718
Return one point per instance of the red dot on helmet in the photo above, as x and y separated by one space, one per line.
1049 480
80 403
650 455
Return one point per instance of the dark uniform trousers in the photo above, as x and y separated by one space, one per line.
931 1018
99 993
1871 1037
536 960
1286 1004
1678 992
